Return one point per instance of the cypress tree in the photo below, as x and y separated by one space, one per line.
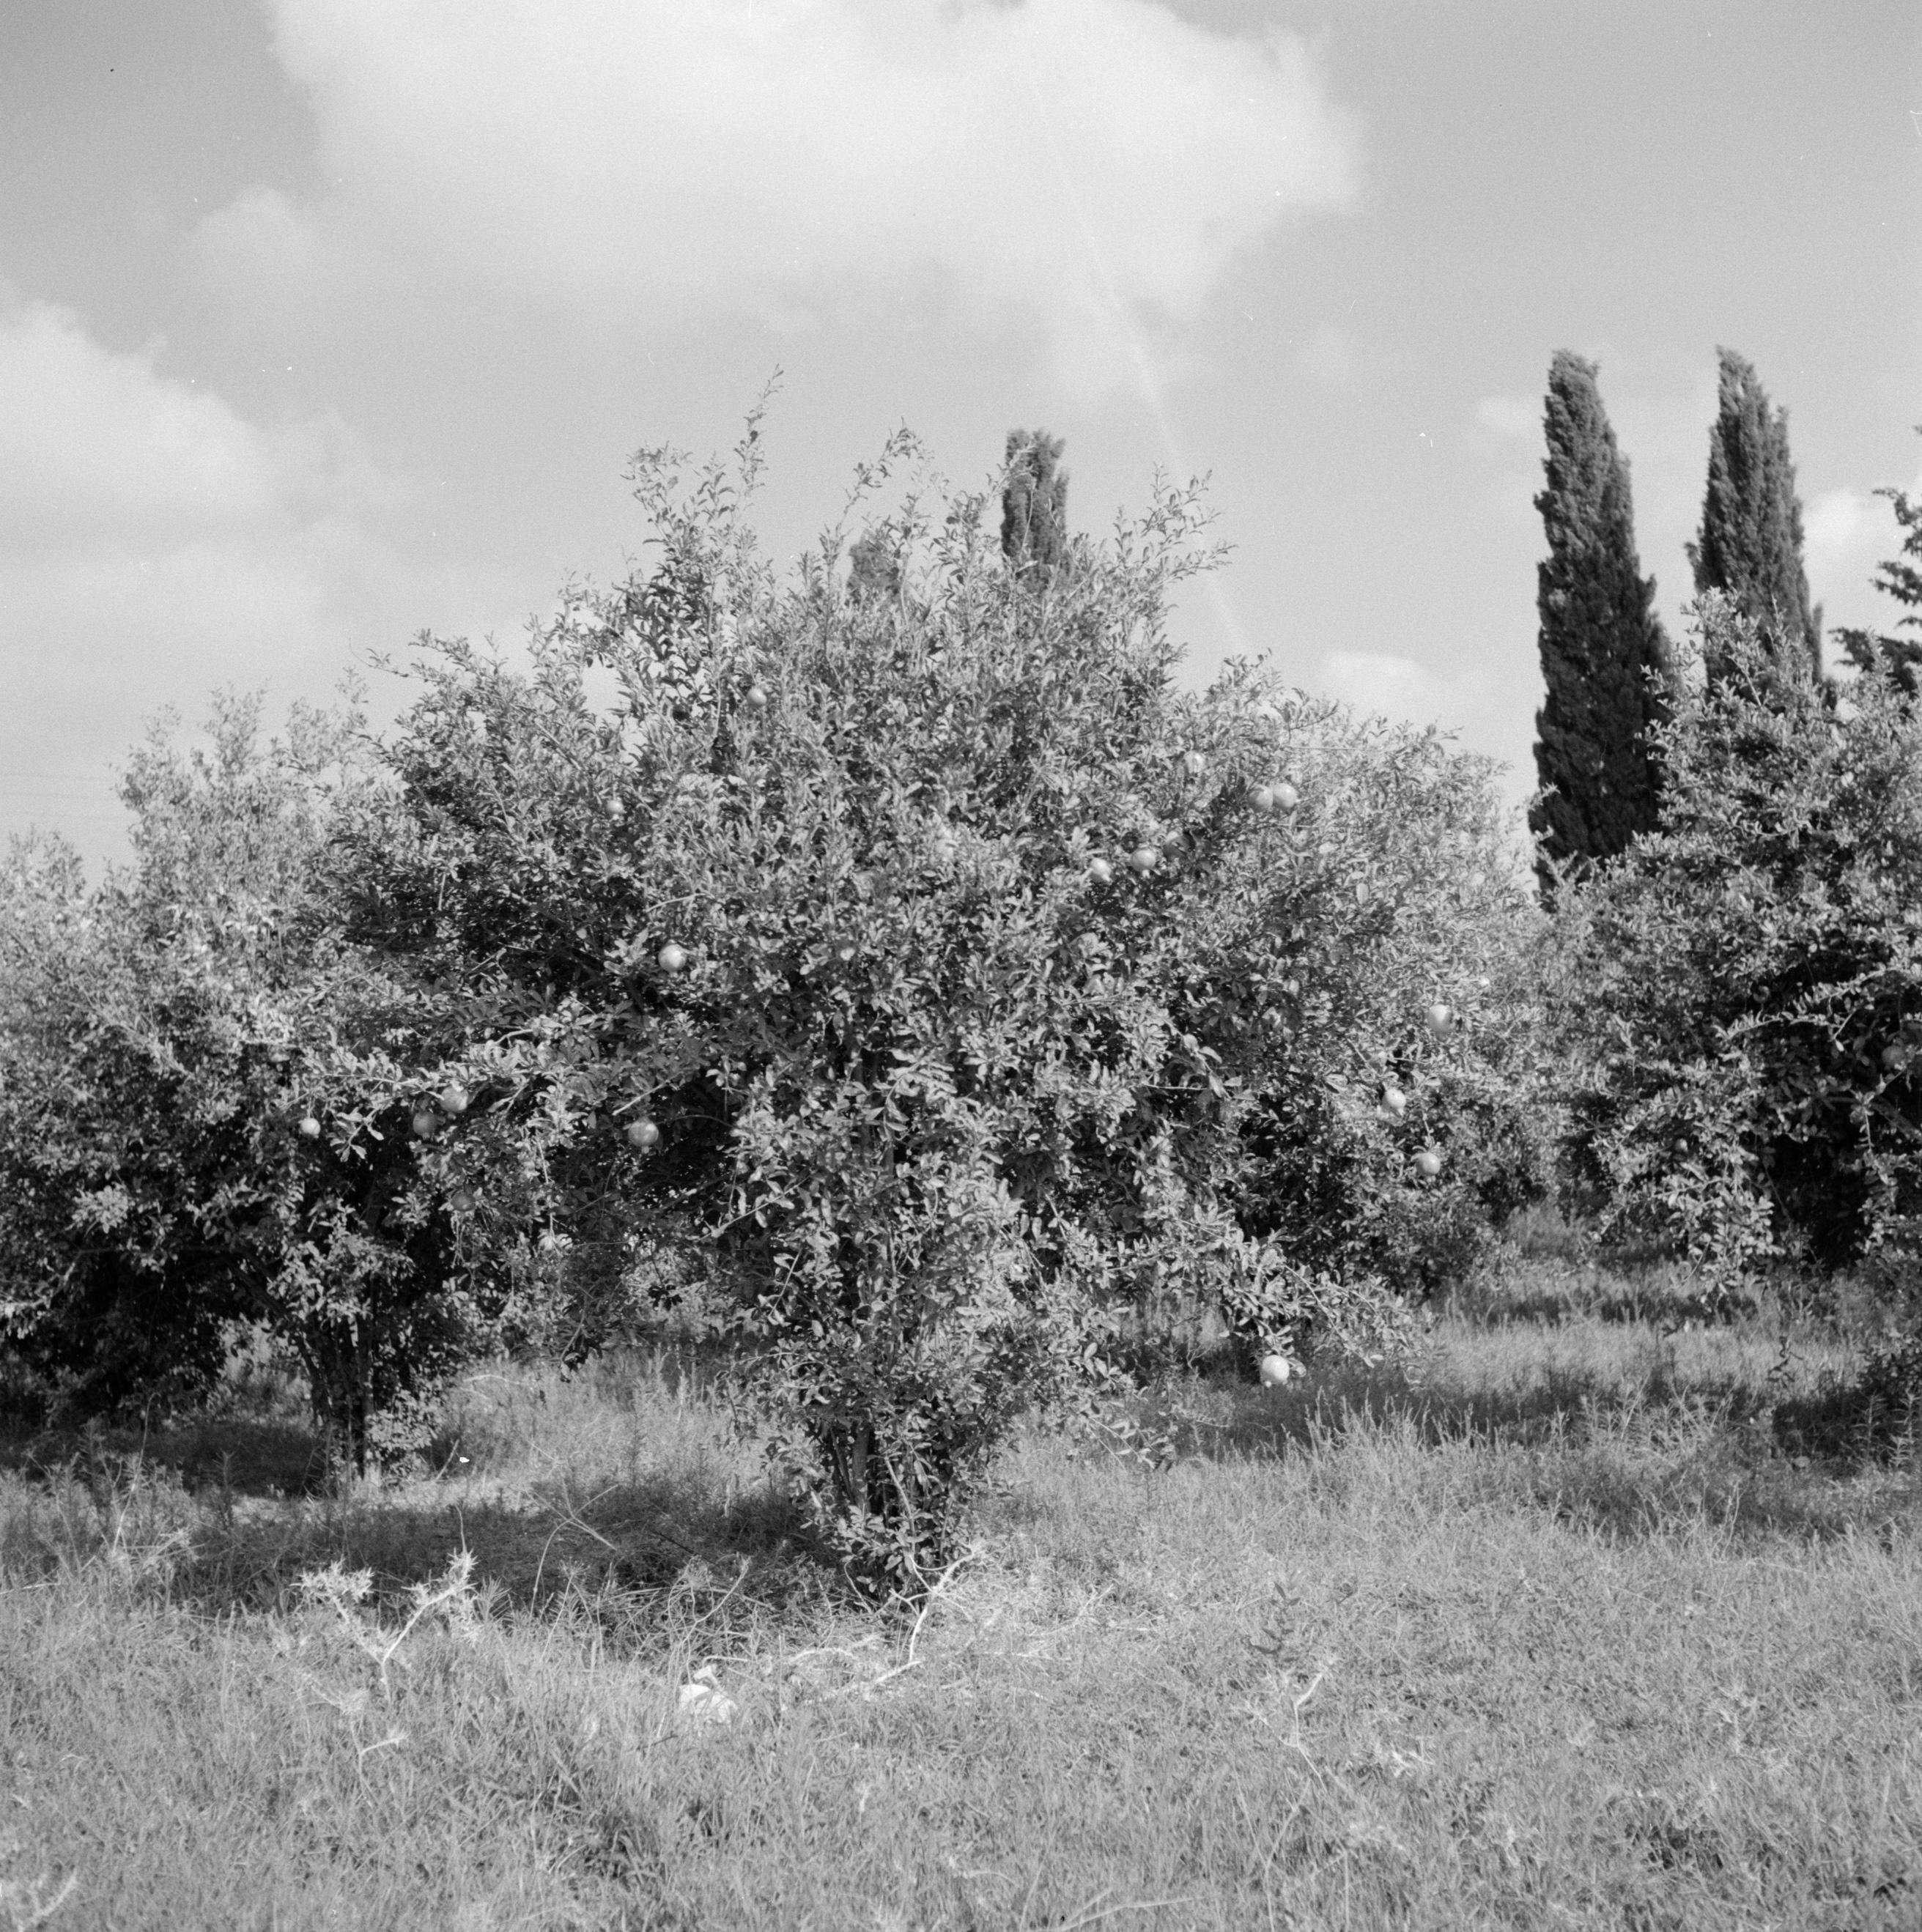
1750 545
1600 638
1034 505
874 566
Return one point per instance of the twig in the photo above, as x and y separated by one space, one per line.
38 1909
714 1610
828 1650
874 1684
364 1752
341 1590
570 1518
1097 1913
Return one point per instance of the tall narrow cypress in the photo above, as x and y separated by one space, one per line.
1600 638
1750 543
874 566
1034 505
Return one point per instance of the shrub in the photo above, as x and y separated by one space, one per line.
1748 1019
1398 896
163 1038
131 1191
905 964
916 958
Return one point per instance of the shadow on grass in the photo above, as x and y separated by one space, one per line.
247 1456
262 1442
255 1437
621 1557
1557 1404
1549 1294
610 1495
1854 1423
622 1547
1625 1459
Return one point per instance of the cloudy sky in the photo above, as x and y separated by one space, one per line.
324 321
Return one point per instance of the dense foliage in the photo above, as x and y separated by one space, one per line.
1750 545
896 967
1745 1055
929 972
1605 658
895 961
207 1101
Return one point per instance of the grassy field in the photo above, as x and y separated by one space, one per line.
1552 1626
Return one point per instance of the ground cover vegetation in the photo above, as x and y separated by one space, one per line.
826 1252
1535 1625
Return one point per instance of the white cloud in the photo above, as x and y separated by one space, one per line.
1478 707
96 445
153 544
1387 686
1847 533
1837 524
1086 171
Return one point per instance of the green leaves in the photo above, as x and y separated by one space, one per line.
1746 974
932 1091
842 999
165 1041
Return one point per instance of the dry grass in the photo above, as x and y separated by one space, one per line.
1543 1629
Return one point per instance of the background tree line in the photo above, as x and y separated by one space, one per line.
1729 838
905 981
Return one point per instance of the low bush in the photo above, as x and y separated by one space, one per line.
1745 1044
898 970
911 957
209 1103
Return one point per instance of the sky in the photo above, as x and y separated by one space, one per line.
324 322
